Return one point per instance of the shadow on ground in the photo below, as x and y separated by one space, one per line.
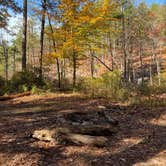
141 136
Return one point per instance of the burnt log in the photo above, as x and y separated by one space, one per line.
94 130
80 139
95 135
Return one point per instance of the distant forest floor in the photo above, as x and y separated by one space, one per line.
140 141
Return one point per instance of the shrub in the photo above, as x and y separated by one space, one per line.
2 85
2 81
109 85
143 89
23 81
66 84
158 89
92 87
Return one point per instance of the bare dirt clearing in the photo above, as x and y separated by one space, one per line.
141 139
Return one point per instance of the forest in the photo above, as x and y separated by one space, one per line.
82 82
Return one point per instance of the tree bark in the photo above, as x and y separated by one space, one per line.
102 63
14 59
42 38
141 62
24 38
111 51
92 63
57 60
81 134
80 139
157 59
74 69
124 45
6 63
150 70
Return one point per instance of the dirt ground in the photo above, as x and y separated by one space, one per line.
140 141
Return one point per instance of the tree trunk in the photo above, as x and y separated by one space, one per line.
92 63
42 38
102 63
130 70
74 69
159 68
141 62
58 71
6 62
94 130
157 59
80 139
111 51
150 70
124 46
57 60
93 135
14 59
24 38
63 68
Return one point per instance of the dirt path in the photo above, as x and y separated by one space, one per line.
141 140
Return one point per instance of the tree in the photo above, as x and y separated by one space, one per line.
6 57
42 36
24 39
4 14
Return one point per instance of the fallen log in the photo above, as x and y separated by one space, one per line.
80 139
64 137
10 97
80 135
44 135
94 130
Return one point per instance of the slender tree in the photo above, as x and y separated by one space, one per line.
42 37
24 38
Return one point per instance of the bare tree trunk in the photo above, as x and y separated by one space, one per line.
102 63
157 60
42 37
14 59
150 70
58 71
28 42
74 69
133 75
124 46
24 38
6 61
57 60
5 54
64 68
92 63
129 70
159 68
141 62
130 62
110 50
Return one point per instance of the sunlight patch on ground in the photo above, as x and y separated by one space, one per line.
25 110
15 160
48 96
127 143
30 110
157 160
42 97
42 144
160 121
10 138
